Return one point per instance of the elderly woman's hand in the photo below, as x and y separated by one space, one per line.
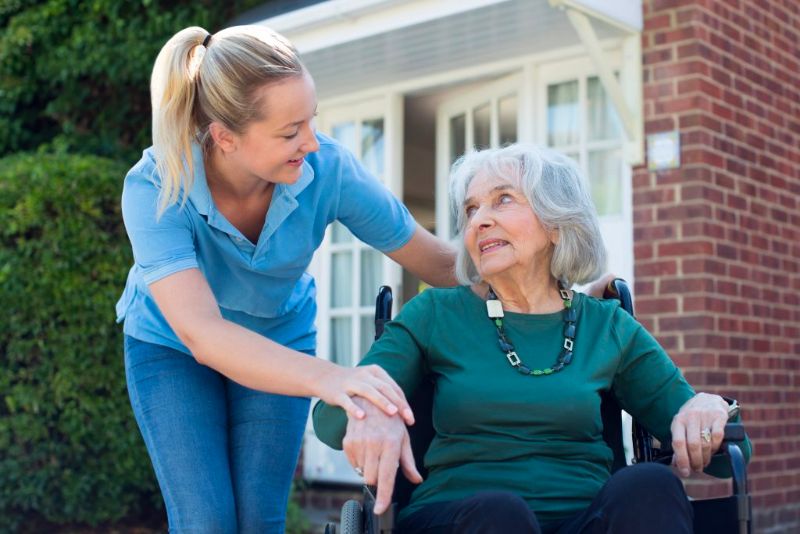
697 432
375 446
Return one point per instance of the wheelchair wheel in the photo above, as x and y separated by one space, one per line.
352 520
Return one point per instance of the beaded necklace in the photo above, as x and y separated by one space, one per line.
494 309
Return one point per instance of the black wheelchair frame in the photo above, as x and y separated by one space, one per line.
722 515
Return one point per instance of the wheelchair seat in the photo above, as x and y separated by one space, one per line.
722 515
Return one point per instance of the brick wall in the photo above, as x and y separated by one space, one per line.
717 241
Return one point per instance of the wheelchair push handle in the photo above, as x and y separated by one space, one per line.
383 309
618 289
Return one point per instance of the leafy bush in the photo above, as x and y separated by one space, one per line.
71 452
71 449
75 74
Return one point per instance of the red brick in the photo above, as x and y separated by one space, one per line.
737 191
685 248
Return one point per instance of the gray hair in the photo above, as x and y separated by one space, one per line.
555 188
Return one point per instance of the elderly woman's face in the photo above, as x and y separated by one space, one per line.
502 233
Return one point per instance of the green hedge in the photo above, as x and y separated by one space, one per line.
74 74
71 451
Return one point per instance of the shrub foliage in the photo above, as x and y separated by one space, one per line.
71 450
74 74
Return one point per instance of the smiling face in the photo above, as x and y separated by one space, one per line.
274 148
502 235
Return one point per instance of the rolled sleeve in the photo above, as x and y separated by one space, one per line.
161 246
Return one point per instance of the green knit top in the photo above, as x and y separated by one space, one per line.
537 436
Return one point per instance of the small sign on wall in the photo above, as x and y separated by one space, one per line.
664 151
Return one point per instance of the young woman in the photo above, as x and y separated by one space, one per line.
224 212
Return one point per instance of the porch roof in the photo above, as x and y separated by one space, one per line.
352 45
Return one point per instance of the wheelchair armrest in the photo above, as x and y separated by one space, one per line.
730 448
734 435
734 432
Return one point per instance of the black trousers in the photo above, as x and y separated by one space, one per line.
641 498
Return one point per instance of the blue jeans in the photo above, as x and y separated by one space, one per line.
224 454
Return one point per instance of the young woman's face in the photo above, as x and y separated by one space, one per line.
502 234
274 148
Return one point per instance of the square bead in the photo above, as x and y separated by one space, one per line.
494 308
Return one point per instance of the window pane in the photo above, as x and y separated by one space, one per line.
508 119
482 116
345 133
340 233
603 120
367 333
341 279
458 132
372 146
370 275
341 341
562 114
605 179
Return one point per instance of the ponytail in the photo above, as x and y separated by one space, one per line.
199 79
173 91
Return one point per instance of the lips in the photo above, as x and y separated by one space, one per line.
489 245
295 162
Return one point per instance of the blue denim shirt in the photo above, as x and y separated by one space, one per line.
262 287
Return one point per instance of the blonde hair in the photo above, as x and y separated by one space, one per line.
555 189
193 85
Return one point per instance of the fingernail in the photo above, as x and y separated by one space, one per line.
360 414
685 473
408 414
392 409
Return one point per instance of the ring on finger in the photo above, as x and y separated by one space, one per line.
359 471
706 435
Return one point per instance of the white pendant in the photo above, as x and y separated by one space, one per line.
494 308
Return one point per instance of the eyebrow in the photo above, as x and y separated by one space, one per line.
502 187
298 123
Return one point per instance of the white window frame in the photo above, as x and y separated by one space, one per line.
617 228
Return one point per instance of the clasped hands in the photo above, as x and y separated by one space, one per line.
375 446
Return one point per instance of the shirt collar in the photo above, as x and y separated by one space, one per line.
201 196
296 188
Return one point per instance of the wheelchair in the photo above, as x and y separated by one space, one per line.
722 515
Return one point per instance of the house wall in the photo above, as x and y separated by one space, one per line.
717 241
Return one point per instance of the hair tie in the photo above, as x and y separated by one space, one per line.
207 40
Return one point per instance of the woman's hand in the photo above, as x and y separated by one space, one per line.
375 446
372 383
697 432
598 287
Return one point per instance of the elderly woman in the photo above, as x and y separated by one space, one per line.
519 361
